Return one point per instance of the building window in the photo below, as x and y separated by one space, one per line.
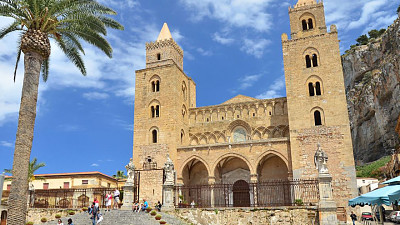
45 186
8 187
317 118
310 24
239 134
311 89
158 56
318 88
237 116
66 185
108 185
308 61
154 136
304 23
254 114
155 111
85 181
182 135
155 86
222 118
184 90
270 113
314 60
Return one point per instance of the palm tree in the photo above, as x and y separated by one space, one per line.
120 175
67 22
33 167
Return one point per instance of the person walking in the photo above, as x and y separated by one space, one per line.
60 222
70 221
353 217
116 198
108 201
95 212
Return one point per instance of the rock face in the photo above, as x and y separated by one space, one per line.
372 80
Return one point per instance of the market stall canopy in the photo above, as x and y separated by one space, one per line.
377 197
393 181
395 196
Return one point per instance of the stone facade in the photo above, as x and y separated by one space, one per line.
243 216
248 139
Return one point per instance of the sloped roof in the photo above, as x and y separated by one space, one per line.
238 99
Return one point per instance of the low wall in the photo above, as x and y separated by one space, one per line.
246 216
35 215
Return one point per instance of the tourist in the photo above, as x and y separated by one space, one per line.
145 205
192 204
136 207
116 199
158 206
95 211
70 221
108 201
96 202
99 217
353 218
60 222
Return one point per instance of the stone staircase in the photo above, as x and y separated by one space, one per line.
119 217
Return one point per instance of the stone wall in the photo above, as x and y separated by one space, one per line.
245 216
35 215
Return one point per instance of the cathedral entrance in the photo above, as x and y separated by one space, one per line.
241 194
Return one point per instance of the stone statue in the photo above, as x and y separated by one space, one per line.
130 169
169 171
320 160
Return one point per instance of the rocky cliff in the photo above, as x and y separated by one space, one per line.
372 80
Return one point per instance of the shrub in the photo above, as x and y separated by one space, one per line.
398 9
44 220
58 216
298 202
84 209
368 169
71 212
29 223
153 213
163 222
158 217
149 209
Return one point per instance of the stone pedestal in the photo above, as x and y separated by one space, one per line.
128 196
326 206
168 197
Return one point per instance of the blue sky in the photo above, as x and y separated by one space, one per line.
231 47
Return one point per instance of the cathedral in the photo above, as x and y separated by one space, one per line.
245 140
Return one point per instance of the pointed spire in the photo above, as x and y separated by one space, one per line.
164 33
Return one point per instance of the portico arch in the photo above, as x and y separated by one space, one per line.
231 156
272 166
194 171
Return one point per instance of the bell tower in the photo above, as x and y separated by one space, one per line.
317 107
163 95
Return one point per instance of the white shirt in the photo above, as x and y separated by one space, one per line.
116 192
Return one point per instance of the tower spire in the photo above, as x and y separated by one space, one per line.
164 33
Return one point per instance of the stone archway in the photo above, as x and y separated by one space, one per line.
241 194
195 178
272 167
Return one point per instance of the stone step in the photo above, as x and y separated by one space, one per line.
119 217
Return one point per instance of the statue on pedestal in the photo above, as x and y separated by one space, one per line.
169 171
130 169
320 160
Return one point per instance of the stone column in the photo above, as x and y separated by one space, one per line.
326 206
211 182
2 176
168 186
129 187
254 183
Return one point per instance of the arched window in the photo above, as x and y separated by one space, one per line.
155 111
311 89
158 56
304 23
182 135
310 24
157 86
154 136
153 86
184 90
239 134
317 118
314 60
308 61
318 88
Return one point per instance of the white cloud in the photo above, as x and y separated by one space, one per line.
248 81
275 90
204 52
6 144
238 13
94 165
222 40
69 127
176 35
95 95
255 47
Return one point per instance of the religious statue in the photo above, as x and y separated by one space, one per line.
320 160
169 171
130 169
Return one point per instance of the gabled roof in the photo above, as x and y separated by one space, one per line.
238 99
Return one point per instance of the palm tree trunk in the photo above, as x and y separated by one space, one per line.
17 202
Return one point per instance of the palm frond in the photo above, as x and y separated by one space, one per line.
109 22
18 58
72 53
12 27
8 171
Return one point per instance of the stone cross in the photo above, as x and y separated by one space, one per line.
169 171
320 160
130 169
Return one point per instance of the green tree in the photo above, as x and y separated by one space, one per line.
362 40
120 175
398 9
68 22
33 167
376 33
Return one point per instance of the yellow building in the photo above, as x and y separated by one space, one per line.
245 140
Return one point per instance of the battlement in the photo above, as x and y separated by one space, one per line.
163 44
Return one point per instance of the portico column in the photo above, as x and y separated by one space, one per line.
253 184
211 181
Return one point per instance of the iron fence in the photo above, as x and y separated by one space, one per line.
243 194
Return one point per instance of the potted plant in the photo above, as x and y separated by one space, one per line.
298 202
153 213
29 223
44 220
149 209
163 222
58 216
84 209
71 212
158 217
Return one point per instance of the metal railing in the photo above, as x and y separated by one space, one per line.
243 194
